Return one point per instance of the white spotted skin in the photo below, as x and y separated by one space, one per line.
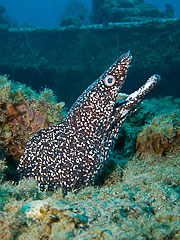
71 154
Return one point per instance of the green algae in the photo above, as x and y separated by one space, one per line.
48 98
13 91
3 167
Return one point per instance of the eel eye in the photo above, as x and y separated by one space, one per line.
109 80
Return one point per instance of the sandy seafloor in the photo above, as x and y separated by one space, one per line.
138 199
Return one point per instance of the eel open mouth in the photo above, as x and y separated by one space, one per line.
129 102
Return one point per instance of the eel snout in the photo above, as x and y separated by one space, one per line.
129 102
138 95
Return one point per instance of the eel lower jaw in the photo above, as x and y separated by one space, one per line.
129 102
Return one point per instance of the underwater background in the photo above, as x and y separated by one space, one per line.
50 52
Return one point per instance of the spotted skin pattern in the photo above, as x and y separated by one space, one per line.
72 154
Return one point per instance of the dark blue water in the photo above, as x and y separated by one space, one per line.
160 4
49 13
44 13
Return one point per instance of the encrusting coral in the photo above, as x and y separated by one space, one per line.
161 136
23 113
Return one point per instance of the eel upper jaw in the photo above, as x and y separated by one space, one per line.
128 104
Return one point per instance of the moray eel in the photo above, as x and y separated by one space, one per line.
72 154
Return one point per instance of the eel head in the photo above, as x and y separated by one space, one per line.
98 109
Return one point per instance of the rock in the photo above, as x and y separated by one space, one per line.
61 220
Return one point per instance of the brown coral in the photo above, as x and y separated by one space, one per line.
161 136
22 116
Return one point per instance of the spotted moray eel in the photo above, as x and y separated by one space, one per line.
71 154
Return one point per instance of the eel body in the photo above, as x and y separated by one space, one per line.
71 154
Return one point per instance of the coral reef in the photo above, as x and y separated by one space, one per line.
3 167
139 200
24 112
127 144
161 136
